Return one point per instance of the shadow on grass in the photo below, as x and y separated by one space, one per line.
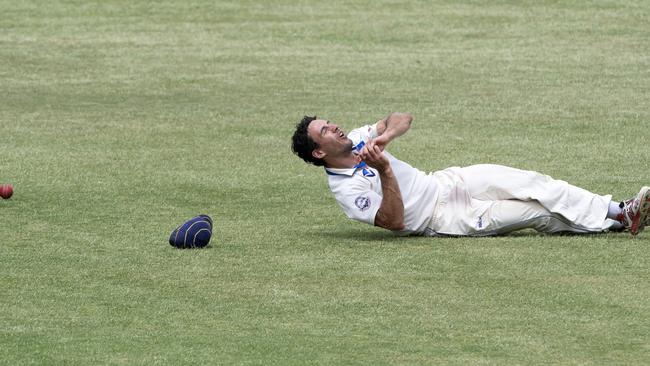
189 249
357 235
388 236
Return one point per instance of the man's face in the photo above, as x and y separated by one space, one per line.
330 138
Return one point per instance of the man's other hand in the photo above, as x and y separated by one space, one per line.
373 156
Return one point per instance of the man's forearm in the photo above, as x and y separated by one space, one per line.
394 125
397 124
391 212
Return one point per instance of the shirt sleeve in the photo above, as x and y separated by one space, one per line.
359 201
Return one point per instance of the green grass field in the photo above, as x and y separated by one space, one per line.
121 119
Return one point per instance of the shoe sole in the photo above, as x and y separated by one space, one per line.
645 210
638 221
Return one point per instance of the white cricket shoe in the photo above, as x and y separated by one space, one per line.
636 212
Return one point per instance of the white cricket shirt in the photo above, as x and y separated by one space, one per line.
358 189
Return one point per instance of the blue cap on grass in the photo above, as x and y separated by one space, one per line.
194 233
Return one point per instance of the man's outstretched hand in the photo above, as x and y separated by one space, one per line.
381 141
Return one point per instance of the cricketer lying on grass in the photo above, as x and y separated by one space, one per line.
373 186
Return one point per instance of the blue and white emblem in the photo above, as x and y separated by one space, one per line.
359 146
365 169
362 203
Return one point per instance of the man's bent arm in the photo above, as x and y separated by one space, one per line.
394 125
391 211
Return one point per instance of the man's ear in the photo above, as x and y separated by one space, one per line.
318 154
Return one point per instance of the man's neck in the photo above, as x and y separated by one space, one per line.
344 162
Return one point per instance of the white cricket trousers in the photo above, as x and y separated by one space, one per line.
488 199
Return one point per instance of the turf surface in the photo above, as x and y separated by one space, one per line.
121 119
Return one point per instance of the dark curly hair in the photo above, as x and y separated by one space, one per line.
303 145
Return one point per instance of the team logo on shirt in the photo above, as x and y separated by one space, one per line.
363 203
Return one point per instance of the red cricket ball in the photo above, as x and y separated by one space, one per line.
6 190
